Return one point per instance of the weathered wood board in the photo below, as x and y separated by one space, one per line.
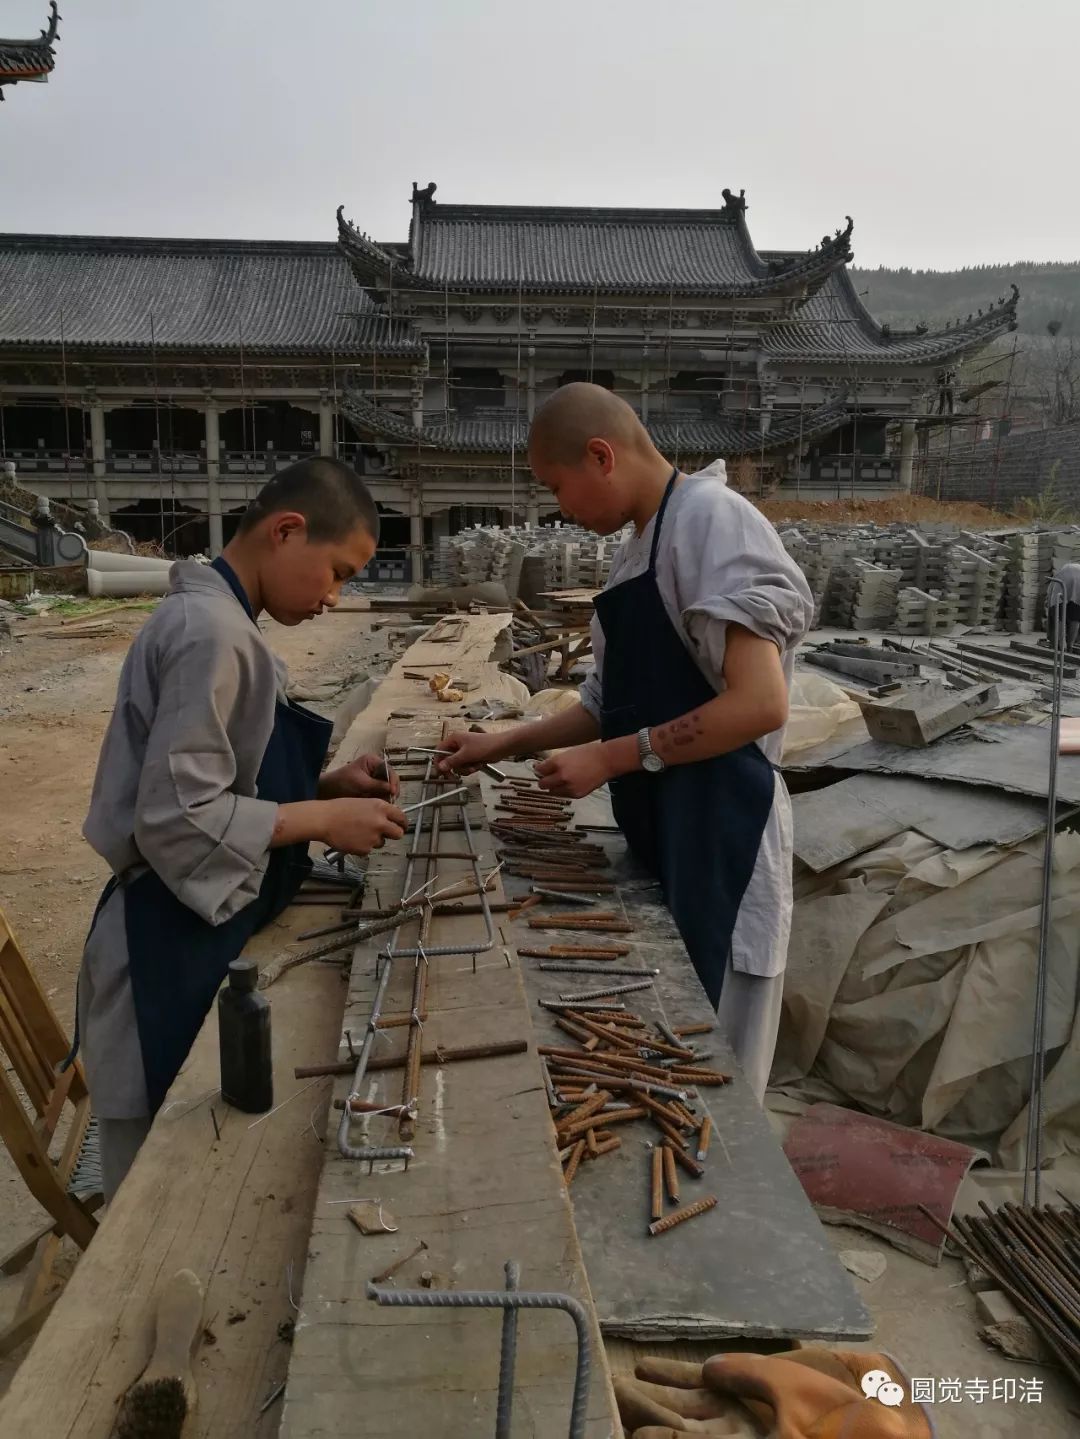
755 1266
485 1186
236 1210
472 660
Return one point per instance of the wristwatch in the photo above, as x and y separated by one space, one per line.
651 762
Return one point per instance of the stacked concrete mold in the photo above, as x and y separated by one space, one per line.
928 582
571 558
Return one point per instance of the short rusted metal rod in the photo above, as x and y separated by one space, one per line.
680 1216
392 1269
428 1056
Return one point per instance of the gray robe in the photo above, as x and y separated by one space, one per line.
175 791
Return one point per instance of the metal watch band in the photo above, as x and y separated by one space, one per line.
645 749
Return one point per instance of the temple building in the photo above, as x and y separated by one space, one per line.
164 380
29 59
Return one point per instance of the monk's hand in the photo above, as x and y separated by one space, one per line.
368 777
467 752
575 772
357 826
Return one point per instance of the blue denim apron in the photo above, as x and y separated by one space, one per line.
176 959
696 827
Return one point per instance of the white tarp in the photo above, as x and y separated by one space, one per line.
910 989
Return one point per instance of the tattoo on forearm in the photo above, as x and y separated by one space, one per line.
678 733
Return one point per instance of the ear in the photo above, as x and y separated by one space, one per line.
600 456
287 525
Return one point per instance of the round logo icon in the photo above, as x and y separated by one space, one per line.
872 1381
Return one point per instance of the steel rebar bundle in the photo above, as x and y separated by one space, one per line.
1033 1254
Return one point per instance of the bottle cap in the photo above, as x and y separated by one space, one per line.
243 974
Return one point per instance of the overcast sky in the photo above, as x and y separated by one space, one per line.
947 128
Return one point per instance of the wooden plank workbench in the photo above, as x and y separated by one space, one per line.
236 1210
485 1186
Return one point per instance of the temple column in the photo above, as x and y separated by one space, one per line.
213 476
907 452
326 426
416 538
417 400
97 450
530 384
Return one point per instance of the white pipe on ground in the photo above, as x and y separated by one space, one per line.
126 584
105 561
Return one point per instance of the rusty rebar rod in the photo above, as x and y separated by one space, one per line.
680 1216
607 991
460 1055
671 1179
656 1192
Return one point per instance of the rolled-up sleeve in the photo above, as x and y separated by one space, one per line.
206 840
742 575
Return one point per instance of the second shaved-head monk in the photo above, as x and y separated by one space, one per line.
694 638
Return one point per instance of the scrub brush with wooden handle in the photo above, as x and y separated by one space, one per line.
163 1398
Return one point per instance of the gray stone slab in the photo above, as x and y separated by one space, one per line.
847 818
758 1264
1008 757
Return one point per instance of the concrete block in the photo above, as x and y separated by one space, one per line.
993 1306
923 712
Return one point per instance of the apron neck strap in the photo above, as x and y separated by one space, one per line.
660 517
229 575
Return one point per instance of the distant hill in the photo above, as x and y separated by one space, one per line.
1048 292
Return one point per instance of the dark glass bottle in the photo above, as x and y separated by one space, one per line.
247 1073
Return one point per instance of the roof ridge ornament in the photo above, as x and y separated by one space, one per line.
30 59
734 204
425 198
840 238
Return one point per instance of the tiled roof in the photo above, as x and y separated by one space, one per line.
835 325
293 298
29 59
547 249
498 434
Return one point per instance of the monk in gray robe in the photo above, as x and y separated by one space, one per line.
210 788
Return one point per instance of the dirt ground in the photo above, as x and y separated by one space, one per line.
55 698
892 510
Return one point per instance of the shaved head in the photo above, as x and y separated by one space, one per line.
577 413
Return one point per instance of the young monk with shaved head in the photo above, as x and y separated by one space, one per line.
683 716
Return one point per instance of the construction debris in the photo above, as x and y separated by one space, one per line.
918 714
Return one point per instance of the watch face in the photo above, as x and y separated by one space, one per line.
652 763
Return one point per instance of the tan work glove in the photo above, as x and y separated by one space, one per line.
810 1393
